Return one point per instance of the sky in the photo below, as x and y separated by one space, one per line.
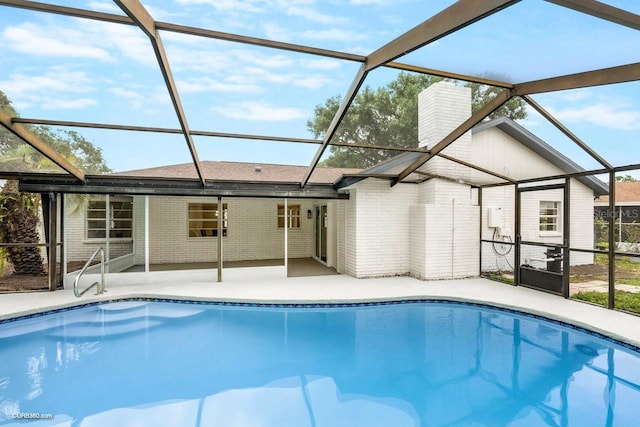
63 68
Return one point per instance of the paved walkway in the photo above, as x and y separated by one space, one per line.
338 288
600 286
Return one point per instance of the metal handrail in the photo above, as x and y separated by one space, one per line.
99 285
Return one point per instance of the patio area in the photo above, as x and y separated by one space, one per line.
336 289
296 267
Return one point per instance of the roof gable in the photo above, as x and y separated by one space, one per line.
544 150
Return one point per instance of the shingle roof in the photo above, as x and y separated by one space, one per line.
625 192
247 172
515 131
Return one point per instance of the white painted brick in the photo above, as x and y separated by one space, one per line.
442 107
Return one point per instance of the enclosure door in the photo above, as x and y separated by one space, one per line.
542 240
320 227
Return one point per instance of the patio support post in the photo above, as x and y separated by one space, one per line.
146 234
612 237
63 247
107 216
220 230
480 231
566 244
286 235
516 221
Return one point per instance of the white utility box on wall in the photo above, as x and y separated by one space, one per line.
495 217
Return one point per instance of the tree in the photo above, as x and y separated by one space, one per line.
18 224
625 178
18 211
388 116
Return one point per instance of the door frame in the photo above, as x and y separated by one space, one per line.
320 219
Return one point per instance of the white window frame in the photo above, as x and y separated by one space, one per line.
553 219
294 217
209 213
115 222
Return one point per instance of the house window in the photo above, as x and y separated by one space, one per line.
293 216
549 216
120 218
203 219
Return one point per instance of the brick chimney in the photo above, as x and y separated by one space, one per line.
442 107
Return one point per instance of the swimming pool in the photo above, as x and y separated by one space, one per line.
161 363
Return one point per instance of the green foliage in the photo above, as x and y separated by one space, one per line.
625 178
3 261
632 231
601 228
515 108
388 116
625 301
499 277
69 144
634 281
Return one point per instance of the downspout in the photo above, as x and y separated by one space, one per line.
453 235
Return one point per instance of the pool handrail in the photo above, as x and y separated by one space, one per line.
99 285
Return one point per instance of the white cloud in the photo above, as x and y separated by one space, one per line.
260 111
207 84
104 6
66 104
253 6
48 41
129 41
314 16
276 32
321 64
136 99
148 100
269 61
609 115
98 41
61 86
57 79
335 34
312 82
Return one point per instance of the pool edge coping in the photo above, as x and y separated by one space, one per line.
573 323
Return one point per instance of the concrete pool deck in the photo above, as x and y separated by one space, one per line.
201 285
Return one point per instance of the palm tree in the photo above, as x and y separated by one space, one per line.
18 211
18 224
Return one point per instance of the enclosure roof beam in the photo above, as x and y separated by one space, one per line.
42 147
183 29
602 11
96 184
476 118
448 75
567 132
141 17
457 16
604 76
475 167
337 118
208 133
68 11
446 178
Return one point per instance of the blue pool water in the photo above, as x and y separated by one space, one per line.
142 363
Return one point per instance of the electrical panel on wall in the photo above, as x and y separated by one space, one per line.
495 217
